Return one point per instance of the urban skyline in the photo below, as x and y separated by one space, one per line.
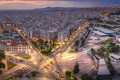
59 40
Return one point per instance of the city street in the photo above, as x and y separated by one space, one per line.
38 61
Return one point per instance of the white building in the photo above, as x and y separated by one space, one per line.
14 46
62 36
103 72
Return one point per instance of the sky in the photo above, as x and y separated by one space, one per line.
32 4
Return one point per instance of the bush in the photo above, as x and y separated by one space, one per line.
28 76
33 74
68 73
71 51
73 78
20 76
10 78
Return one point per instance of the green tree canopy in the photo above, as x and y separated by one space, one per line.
2 65
68 73
20 76
0 71
77 43
93 51
2 55
46 42
41 41
33 74
76 68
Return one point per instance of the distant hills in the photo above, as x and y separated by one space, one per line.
56 8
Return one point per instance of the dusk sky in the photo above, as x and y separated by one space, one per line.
31 4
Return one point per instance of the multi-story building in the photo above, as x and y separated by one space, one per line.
62 36
7 25
14 46
46 35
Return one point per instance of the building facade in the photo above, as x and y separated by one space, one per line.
13 46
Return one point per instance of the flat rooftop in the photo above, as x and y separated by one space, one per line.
102 69
115 56
99 33
104 30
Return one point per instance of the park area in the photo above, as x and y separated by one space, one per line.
10 65
25 56
107 41
45 47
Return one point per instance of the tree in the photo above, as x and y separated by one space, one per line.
53 42
117 48
28 76
41 47
5 31
2 55
0 71
76 50
77 43
10 78
105 55
20 76
50 42
93 51
75 78
109 49
46 42
111 35
102 49
76 68
41 41
86 77
68 73
33 74
2 65
110 66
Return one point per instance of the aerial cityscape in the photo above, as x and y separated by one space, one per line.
59 40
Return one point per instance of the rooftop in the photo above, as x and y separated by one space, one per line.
104 30
102 69
13 42
99 33
115 56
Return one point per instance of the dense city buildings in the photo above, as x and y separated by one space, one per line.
60 44
47 24
7 25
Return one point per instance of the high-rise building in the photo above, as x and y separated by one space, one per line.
7 25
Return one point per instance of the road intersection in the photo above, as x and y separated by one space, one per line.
39 59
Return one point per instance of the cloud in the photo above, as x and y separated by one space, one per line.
43 2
